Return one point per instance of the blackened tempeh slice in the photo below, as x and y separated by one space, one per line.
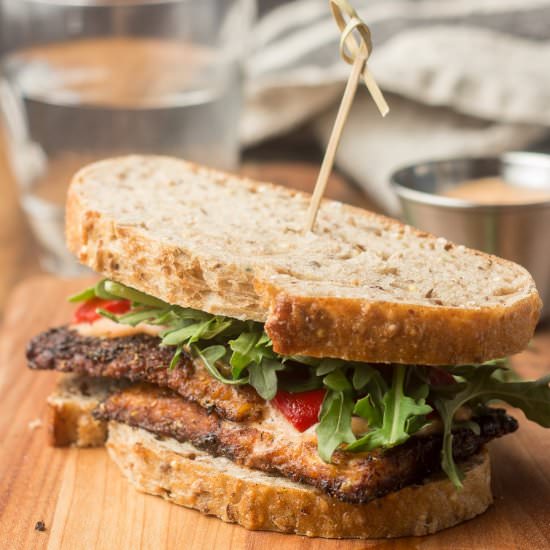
140 358
269 446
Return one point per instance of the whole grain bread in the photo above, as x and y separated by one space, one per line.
360 287
187 476
69 417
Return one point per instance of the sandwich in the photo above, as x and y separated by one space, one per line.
338 383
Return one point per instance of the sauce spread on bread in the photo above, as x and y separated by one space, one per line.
105 328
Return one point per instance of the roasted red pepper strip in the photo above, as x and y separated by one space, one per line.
87 312
300 409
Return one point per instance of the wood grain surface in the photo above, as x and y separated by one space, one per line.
18 257
85 503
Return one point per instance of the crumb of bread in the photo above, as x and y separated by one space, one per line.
34 424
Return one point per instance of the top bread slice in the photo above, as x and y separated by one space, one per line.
359 287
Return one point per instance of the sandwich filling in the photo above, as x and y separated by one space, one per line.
354 430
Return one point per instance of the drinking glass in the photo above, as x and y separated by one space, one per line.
88 79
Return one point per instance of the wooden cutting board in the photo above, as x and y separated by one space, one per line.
85 503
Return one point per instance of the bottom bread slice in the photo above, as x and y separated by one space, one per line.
185 475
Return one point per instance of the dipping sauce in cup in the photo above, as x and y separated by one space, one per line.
494 190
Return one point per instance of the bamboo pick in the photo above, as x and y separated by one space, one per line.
356 55
336 134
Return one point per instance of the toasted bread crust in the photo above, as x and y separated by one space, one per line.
307 323
397 333
189 477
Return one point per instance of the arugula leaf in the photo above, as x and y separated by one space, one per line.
337 381
244 352
327 366
264 340
101 291
401 416
96 291
362 375
175 357
215 327
209 356
399 408
482 386
367 408
165 317
107 314
189 333
83 296
123 292
245 343
374 385
263 377
252 350
192 332
137 316
334 426
484 383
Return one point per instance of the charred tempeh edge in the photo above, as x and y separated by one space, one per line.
140 358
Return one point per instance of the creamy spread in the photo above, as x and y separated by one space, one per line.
105 328
360 426
436 425
276 423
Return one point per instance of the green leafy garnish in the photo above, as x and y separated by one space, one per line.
393 420
214 339
244 352
119 291
175 358
263 377
334 426
209 357
83 296
481 385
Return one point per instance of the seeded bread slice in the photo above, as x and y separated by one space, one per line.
360 287
187 476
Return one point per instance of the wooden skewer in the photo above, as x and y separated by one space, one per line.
375 92
336 134
357 55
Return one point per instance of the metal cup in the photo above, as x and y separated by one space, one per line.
517 232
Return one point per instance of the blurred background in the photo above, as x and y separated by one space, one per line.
253 87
